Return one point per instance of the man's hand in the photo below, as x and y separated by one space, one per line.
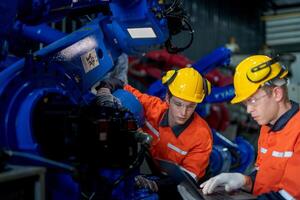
112 84
143 182
106 99
231 181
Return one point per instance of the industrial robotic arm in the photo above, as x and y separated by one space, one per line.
46 102
71 65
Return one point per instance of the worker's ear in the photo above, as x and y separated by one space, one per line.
277 93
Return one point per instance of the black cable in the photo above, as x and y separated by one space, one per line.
174 49
177 22
172 7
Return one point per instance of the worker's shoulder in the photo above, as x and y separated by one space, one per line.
294 121
200 120
297 115
199 125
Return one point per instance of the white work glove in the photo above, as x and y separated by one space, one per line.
231 181
106 99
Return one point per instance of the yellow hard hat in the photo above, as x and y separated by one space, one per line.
254 72
187 84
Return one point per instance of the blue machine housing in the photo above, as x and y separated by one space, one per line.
68 68
234 156
130 102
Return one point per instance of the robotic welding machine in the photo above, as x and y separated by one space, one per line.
48 114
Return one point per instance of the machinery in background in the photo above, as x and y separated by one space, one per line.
231 156
48 115
146 69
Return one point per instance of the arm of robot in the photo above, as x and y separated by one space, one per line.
219 57
220 94
126 27
66 69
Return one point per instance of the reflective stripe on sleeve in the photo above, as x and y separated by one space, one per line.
171 146
285 154
154 131
286 195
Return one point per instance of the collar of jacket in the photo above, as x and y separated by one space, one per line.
283 120
178 129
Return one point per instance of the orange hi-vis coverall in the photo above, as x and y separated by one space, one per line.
188 145
278 161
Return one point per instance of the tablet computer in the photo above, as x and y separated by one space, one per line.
188 187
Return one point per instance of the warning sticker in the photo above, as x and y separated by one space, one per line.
89 60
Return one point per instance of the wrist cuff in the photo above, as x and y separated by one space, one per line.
248 182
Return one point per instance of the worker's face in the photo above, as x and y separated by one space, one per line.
180 110
263 107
